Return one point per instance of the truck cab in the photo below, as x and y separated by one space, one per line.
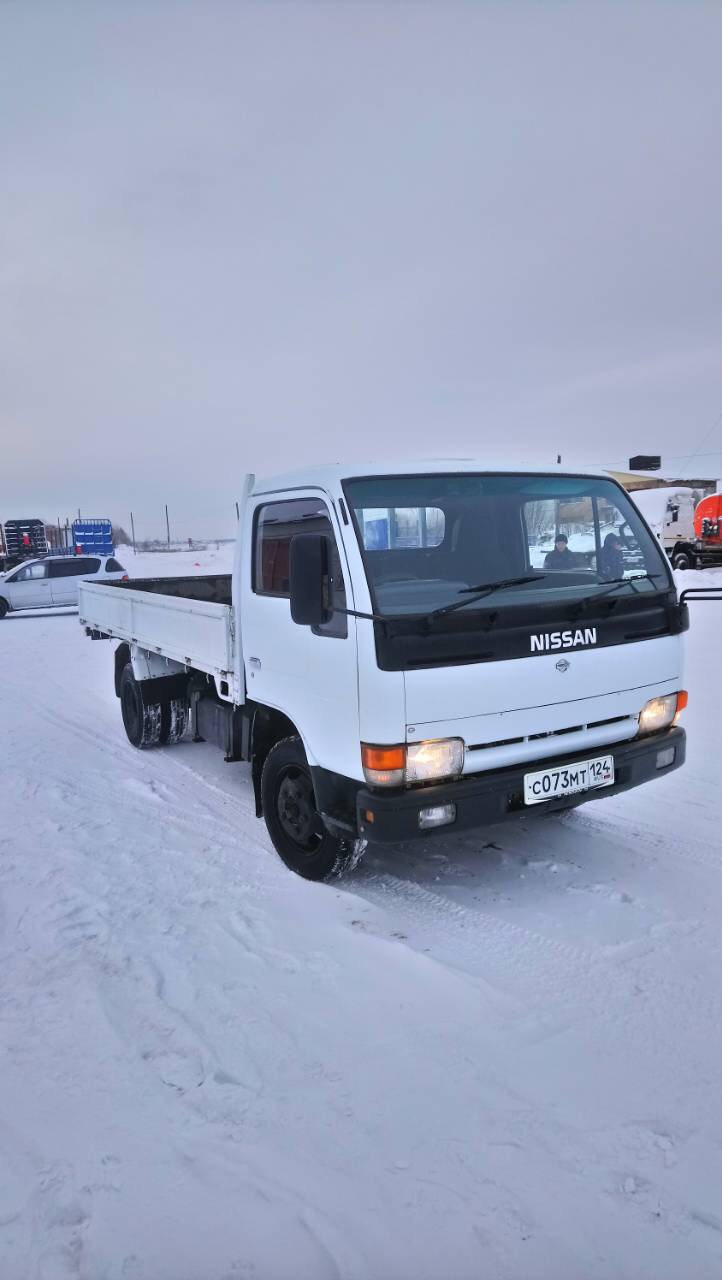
445 656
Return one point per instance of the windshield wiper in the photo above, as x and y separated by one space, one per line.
484 589
617 582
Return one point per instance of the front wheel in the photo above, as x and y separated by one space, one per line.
293 821
683 560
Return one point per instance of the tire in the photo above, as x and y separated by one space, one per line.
683 560
293 821
175 718
4 607
143 721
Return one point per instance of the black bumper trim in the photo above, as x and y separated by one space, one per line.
483 799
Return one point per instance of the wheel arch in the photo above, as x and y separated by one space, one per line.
268 727
121 658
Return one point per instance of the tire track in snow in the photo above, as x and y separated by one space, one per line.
139 764
553 983
645 837
538 972
560 975
509 957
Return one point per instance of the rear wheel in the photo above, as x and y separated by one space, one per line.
143 721
293 821
4 607
175 717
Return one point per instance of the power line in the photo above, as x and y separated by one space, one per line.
698 452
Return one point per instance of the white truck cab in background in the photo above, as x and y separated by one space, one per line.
669 513
402 651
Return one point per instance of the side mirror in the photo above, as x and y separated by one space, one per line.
308 572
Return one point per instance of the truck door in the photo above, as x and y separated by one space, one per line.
310 674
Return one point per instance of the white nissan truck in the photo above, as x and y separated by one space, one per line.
407 651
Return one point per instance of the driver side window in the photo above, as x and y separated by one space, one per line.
275 525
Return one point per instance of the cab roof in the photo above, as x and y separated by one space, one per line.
330 475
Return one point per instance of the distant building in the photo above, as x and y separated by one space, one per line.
634 480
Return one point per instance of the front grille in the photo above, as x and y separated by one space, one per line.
553 733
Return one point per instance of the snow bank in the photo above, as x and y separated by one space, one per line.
211 558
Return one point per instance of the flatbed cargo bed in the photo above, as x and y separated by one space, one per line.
189 620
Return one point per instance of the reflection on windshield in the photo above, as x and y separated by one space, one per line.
416 595
426 540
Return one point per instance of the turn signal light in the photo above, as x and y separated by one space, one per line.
682 700
383 757
383 766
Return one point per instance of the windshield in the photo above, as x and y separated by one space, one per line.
427 540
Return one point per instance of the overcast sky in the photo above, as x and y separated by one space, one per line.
239 236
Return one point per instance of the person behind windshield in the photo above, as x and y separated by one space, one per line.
561 557
611 561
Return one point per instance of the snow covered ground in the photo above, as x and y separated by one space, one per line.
495 1057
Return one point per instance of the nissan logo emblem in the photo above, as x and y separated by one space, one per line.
562 665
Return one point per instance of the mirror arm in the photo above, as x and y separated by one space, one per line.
354 613
700 593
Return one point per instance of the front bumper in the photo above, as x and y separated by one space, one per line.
483 799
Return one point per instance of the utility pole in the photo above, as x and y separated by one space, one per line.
238 513
167 524
132 531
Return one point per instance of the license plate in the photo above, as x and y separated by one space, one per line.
585 775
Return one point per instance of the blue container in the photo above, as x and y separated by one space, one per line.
94 537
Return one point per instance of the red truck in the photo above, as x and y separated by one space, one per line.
708 530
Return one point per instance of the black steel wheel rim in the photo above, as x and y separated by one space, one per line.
296 809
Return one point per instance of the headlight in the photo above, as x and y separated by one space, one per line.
418 762
439 758
659 713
